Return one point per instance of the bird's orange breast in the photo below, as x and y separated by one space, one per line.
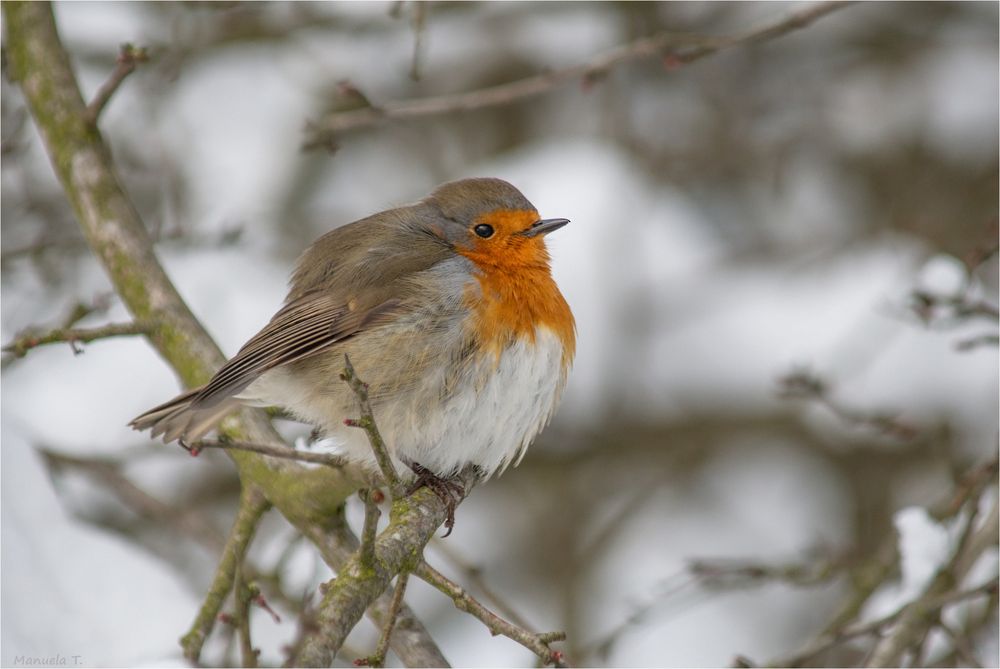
516 293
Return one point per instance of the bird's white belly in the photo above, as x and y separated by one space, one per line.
488 420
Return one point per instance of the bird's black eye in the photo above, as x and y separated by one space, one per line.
483 230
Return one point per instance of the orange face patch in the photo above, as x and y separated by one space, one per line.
509 221
507 247
516 292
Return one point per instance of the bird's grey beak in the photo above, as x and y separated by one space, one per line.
545 226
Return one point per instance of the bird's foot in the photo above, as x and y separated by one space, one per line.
449 491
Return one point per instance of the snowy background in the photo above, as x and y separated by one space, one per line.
765 210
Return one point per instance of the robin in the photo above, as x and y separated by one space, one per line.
447 309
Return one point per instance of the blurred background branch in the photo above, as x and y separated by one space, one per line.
674 49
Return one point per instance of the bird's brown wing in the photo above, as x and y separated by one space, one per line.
306 326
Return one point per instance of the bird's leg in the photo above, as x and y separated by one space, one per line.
449 491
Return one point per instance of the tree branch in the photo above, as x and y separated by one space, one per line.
917 617
474 574
927 607
252 507
536 643
128 59
909 624
368 424
412 522
282 452
244 596
73 336
409 640
687 49
109 476
378 658
801 384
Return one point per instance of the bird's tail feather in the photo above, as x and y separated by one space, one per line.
183 418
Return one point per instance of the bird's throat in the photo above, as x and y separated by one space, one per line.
513 302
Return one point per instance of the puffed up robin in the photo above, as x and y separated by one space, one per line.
448 311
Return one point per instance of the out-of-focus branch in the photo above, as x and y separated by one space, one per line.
802 384
282 452
675 48
723 575
920 615
128 59
73 336
109 476
928 607
728 574
963 652
409 639
950 309
25 340
536 643
906 628
963 306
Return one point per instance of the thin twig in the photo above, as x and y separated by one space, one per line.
368 424
951 308
910 623
252 507
536 643
802 384
689 49
73 336
673 588
869 576
827 641
187 523
977 341
970 485
474 573
271 450
919 615
129 57
938 602
926 607
378 658
42 245
244 598
735 573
